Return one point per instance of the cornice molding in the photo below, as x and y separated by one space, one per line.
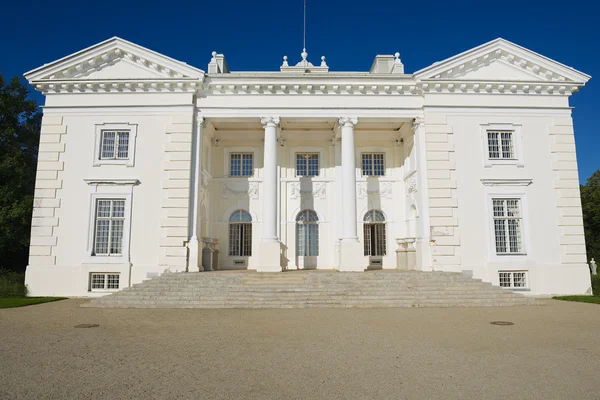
120 86
417 89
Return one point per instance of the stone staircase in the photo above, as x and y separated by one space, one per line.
304 289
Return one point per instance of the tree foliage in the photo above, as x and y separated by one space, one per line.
20 122
590 203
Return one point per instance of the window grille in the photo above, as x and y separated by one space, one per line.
374 233
307 164
507 226
240 234
109 223
501 146
241 164
513 279
373 164
307 234
100 281
115 145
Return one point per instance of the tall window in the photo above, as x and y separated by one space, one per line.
307 164
240 234
507 226
115 145
241 164
501 146
373 164
374 233
307 234
109 224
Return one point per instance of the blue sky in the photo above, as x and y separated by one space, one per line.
254 35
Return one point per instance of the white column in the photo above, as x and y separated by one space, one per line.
339 214
270 248
351 252
194 264
422 244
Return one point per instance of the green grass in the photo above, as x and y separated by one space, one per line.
580 299
10 302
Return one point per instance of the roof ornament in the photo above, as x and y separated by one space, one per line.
304 66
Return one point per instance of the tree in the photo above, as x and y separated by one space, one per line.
590 203
20 122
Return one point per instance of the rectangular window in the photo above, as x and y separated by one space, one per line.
241 164
513 279
100 281
507 226
501 146
109 223
307 164
114 145
373 164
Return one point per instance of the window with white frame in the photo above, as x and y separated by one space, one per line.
109 227
104 281
307 164
115 145
373 164
307 234
508 230
241 164
501 145
374 233
513 279
240 234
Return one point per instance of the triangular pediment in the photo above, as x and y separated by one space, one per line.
114 59
501 60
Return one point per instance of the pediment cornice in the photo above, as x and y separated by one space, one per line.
76 67
527 62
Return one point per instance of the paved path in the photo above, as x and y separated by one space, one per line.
552 352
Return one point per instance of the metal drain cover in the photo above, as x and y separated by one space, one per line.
87 326
502 323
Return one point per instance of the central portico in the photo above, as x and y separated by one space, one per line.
276 192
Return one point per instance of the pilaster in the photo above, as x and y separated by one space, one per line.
48 188
566 185
175 225
442 193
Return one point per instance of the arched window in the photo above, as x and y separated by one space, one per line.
374 233
240 234
307 234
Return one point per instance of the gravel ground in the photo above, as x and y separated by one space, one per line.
551 352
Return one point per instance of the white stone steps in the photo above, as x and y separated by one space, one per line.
310 289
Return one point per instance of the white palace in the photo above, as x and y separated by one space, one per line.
148 164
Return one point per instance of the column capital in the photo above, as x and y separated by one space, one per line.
418 122
269 121
348 121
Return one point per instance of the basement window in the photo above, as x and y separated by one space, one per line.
104 282
513 279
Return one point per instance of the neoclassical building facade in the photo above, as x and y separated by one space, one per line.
148 164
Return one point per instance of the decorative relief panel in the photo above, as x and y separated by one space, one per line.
319 189
251 191
411 184
385 190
